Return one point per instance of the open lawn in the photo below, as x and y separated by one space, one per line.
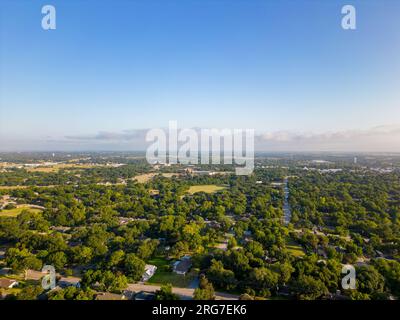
24 187
57 167
207 188
146 177
13 187
161 263
143 178
294 248
177 280
17 211
170 174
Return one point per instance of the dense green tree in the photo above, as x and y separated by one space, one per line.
29 293
116 258
165 293
71 293
369 280
205 291
57 259
22 260
134 266
308 288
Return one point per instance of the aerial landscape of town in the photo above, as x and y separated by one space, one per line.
199 158
115 227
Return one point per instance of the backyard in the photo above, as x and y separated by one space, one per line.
164 274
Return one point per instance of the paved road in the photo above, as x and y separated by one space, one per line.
287 212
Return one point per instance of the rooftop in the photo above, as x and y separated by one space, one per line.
110 296
183 265
7 283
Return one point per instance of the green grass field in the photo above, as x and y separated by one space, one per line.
294 248
143 178
13 187
17 211
177 280
207 188
161 263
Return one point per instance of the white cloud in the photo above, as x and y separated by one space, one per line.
379 138
376 139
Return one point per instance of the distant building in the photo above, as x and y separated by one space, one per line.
247 233
8 283
203 173
154 192
379 253
212 224
2 253
110 296
277 184
61 229
69 282
182 266
124 220
337 296
283 291
142 295
149 271
4 271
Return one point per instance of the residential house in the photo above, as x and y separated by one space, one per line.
182 266
337 296
212 224
8 283
124 220
110 296
379 253
4 271
60 229
69 282
283 291
143 295
149 271
2 253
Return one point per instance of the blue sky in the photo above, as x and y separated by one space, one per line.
275 66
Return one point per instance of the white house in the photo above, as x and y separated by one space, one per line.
8 283
149 271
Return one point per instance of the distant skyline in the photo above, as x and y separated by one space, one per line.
114 69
